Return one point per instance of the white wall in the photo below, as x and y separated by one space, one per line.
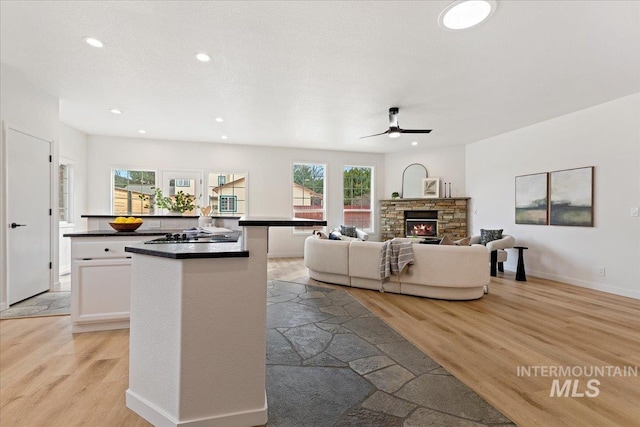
269 175
606 136
446 163
73 150
33 111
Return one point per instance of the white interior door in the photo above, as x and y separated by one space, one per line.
28 215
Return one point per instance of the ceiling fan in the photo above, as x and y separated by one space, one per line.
394 130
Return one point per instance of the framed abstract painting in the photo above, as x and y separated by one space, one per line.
532 196
430 188
571 197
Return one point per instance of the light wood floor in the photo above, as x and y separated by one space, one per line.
51 377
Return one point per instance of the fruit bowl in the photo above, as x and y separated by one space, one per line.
125 226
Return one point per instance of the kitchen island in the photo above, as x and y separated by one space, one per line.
198 329
101 277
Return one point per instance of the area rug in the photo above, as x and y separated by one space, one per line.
331 362
46 304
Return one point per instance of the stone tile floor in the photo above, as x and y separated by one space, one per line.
331 362
50 303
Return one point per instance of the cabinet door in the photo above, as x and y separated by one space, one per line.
100 290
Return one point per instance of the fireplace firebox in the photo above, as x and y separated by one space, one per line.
421 223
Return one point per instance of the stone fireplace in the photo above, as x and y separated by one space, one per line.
448 215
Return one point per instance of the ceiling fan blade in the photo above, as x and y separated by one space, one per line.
415 130
377 134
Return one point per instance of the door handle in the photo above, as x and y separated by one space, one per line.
14 225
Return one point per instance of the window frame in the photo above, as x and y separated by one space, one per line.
371 209
307 230
218 174
69 167
113 187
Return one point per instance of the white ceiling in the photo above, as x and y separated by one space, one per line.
321 74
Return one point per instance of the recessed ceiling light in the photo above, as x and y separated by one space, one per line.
93 42
224 137
219 119
463 14
203 57
414 143
142 131
116 111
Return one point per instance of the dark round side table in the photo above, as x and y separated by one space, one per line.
520 274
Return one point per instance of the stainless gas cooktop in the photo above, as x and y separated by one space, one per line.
196 238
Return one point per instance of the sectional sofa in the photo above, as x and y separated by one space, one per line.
439 271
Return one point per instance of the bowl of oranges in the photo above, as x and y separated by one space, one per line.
122 223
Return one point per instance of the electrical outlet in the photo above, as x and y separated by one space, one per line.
600 270
153 224
634 211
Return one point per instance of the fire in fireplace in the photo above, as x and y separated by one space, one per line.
421 223
421 227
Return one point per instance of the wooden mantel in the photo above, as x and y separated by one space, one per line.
452 215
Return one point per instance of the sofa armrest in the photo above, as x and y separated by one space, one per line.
362 235
504 243
475 240
326 256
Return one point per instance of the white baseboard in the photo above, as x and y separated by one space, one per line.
160 418
586 284
285 255
99 326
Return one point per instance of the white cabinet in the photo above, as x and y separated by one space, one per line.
101 282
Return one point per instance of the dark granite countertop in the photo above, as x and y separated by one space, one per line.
246 222
140 216
190 250
114 233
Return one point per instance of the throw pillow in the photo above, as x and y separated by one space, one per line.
487 236
463 242
319 234
335 235
348 230
446 240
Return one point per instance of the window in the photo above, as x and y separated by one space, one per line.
130 188
64 191
308 192
228 194
228 203
357 185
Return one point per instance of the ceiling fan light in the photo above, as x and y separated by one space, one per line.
394 134
463 14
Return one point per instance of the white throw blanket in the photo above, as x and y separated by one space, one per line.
395 255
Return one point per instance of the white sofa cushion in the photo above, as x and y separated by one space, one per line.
449 266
